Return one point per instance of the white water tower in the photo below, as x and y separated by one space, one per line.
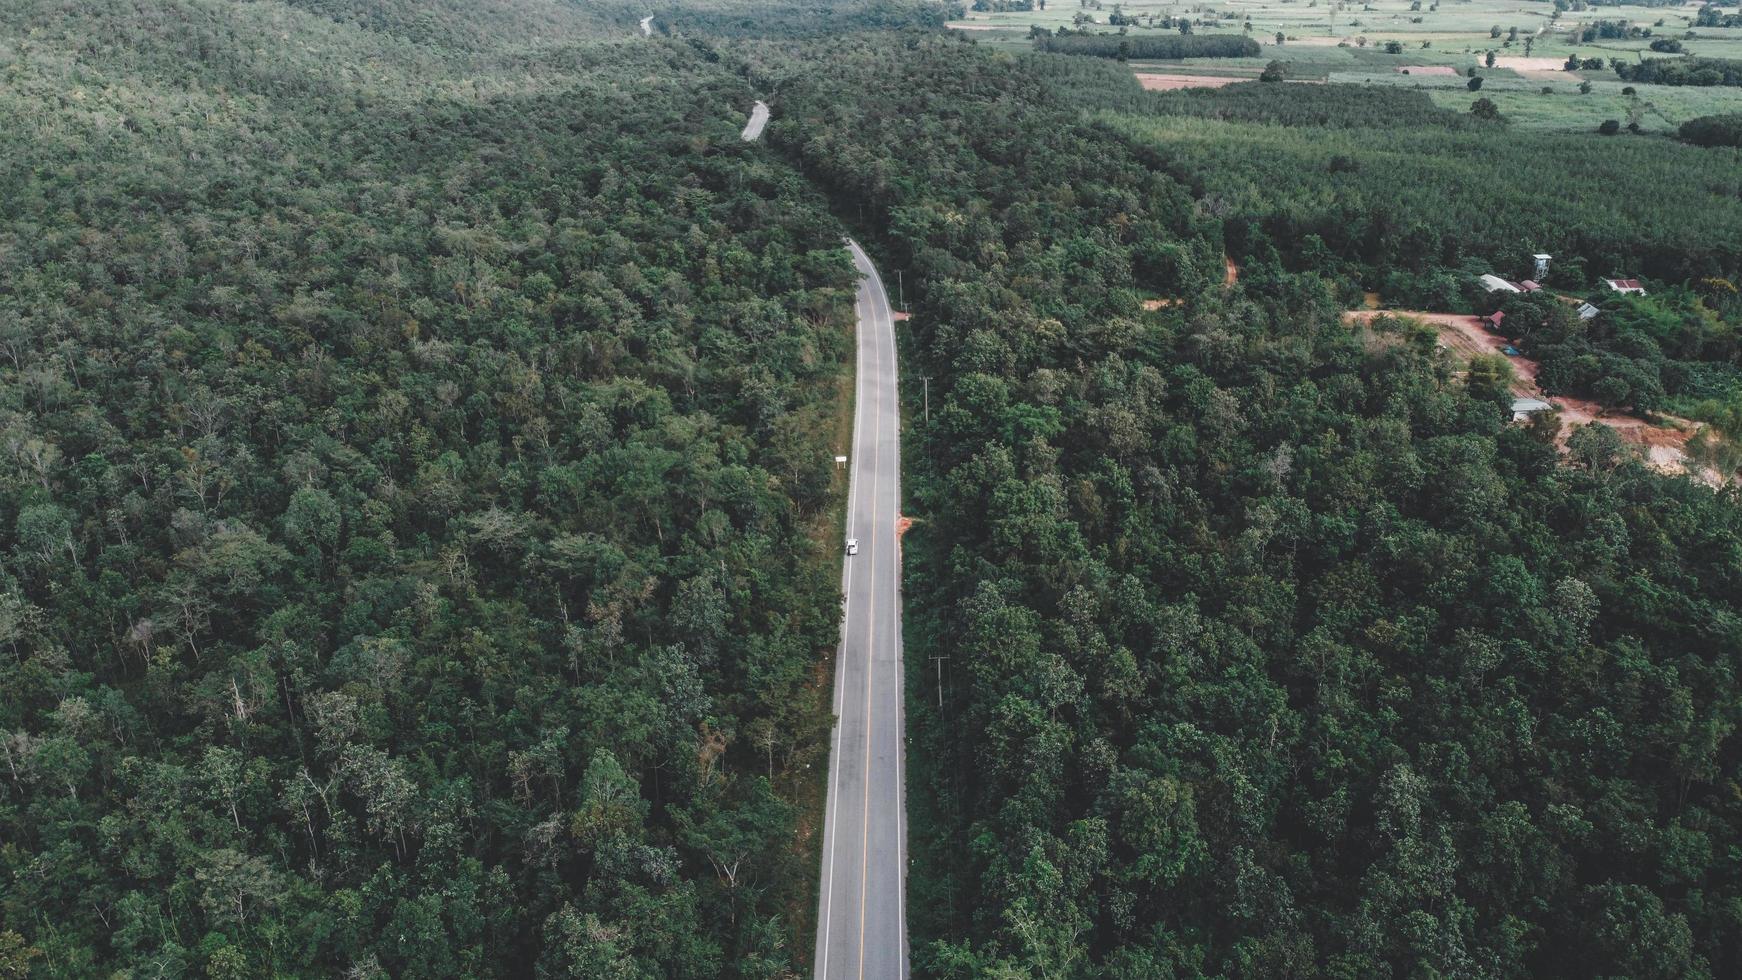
1541 266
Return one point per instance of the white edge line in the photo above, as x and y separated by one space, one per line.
900 666
827 885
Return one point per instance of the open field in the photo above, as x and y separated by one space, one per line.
1156 82
1338 43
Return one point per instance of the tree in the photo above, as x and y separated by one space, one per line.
1489 379
1276 71
1485 108
1474 84
1609 127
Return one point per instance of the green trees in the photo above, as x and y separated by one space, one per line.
409 478
1272 649
1682 71
1398 212
1184 45
1718 130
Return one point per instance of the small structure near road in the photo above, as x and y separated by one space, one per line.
1625 286
1493 320
1588 312
1524 408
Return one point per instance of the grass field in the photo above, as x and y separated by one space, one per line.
1338 42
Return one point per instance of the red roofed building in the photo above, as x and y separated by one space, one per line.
1625 286
1492 320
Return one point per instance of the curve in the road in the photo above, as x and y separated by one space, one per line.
862 913
647 25
758 119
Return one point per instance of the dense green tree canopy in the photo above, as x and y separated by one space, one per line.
417 422
1273 651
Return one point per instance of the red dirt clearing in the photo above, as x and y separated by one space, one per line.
1230 273
1466 336
1153 82
1664 448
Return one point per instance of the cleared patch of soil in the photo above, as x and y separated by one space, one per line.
1166 83
1521 64
1664 447
1465 336
1231 273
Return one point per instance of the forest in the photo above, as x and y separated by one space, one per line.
417 553
416 446
1122 47
1272 649
1408 193
1682 71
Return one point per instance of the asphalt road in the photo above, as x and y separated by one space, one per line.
758 119
862 914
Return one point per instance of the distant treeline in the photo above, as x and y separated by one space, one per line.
1182 46
759 18
1340 106
1683 71
1720 130
1711 15
1283 180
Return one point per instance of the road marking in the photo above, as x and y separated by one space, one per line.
846 610
874 312
900 690
870 664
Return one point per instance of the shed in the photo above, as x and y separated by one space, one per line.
1495 284
1530 286
1625 286
1492 321
1587 311
1523 408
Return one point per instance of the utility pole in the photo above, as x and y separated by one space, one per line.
926 379
900 291
940 662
